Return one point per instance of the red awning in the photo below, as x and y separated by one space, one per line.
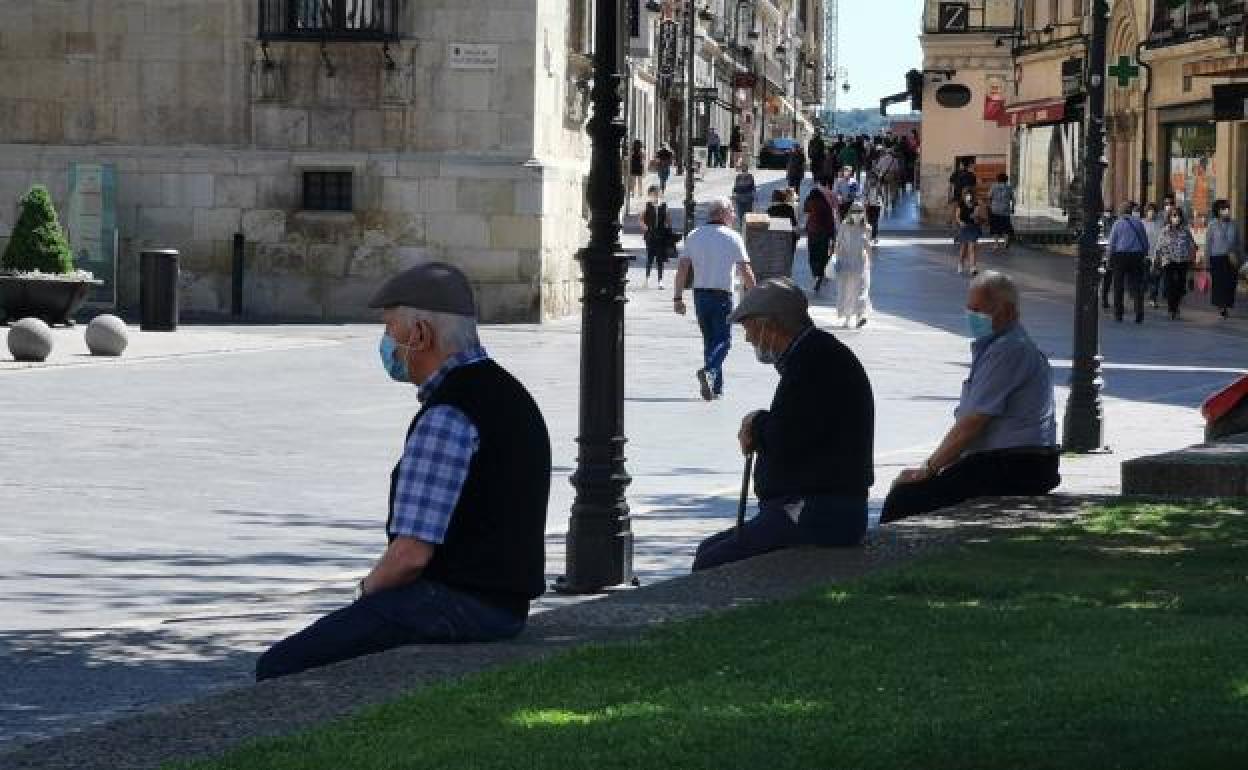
1034 112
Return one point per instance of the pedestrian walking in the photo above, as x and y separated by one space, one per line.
853 267
735 143
713 147
1128 257
636 169
744 189
663 165
1000 209
821 218
795 172
873 201
660 238
966 218
961 180
816 154
713 252
846 190
1176 248
1225 254
1152 226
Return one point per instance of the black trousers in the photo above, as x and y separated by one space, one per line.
1005 472
817 246
1128 271
1176 284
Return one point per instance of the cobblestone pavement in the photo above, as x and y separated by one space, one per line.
164 516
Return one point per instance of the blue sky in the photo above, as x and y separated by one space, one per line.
879 42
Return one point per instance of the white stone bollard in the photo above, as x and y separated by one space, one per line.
107 336
30 339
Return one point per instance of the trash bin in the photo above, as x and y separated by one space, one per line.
158 290
770 244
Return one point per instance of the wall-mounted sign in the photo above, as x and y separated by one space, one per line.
92 225
953 96
472 56
954 17
1072 77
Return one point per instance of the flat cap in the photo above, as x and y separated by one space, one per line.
433 286
777 298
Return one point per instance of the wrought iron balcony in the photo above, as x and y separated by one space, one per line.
1198 19
333 20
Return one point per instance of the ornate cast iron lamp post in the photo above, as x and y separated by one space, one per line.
600 540
1083 427
690 204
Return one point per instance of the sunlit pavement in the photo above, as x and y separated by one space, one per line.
163 518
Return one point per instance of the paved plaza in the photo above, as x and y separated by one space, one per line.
164 516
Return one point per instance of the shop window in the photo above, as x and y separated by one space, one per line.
1191 177
327 191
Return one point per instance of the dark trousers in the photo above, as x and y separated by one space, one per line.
983 474
1175 280
817 245
795 180
826 520
1224 277
713 307
873 219
1128 273
420 612
656 252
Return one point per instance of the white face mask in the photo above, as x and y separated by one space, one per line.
765 355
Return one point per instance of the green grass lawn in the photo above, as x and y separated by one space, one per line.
1121 641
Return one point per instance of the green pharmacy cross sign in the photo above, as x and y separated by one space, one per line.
1124 71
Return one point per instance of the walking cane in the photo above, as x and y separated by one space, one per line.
745 491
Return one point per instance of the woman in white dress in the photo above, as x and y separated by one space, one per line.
853 267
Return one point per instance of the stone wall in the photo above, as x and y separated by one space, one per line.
210 135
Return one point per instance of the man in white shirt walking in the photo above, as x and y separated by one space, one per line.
713 251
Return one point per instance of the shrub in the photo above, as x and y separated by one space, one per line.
38 243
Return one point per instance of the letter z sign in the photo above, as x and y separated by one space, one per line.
953 17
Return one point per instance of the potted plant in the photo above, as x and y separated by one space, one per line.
37 275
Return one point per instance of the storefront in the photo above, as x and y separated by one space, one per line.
1190 143
1047 148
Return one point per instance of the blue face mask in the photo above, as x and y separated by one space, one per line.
396 367
980 324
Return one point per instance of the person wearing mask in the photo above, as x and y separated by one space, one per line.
664 159
1224 254
1176 250
846 191
821 218
713 252
735 143
1152 228
744 188
466 521
853 267
1004 438
966 219
814 464
1157 280
796 169
636 169
656 230
962 180
1128 257
1000 209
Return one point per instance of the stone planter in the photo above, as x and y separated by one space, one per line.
52 300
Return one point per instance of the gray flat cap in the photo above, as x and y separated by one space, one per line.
433 286
777 298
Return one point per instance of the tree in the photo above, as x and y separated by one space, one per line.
38 242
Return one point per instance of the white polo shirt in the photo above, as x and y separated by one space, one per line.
715 251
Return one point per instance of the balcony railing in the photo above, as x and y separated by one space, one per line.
1198 19
358 20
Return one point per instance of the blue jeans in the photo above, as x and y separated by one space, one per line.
826 520
664 173
420 612
743 207
713 307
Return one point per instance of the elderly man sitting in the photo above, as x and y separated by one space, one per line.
814 444
467 513
1004 440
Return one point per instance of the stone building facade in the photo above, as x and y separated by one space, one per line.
341 147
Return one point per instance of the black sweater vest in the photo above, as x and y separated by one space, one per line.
495 544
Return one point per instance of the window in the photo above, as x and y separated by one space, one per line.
580 27
327 191
1076 10
329 19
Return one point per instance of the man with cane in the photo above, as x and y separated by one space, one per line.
811 450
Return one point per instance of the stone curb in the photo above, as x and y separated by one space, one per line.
211 726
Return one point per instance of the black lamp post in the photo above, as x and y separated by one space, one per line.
1083 426
690 71
600 540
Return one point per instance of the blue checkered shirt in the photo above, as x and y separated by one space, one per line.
435 462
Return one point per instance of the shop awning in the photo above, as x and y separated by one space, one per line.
1033 112
1217 67
1192 112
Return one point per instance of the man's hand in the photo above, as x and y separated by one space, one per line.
745 436
678 304
913 475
